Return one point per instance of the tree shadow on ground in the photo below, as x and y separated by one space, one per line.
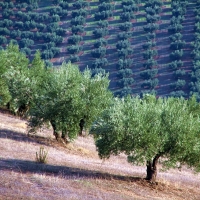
22 137
26 166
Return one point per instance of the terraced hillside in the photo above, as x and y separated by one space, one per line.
146 46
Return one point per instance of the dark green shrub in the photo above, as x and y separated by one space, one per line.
130 8
178 94
64 5
100 63
103 15
124 35
176 55
7 23
101 42
100 32
125 26
99 53
126 91
122 44
77 29
149 54
179 84
55 18
103 24
177 20
178 11
153 3
153 10
150 36
125 82
81 12
47 54
27 34
123 53
176 64
175 28
150 63
26 42
127 16
26 51
75 39
4 31
15 34
149 74
125 73
176 36
74 58
124 63
150 84
3 40
177 45
180 73
80 20
151 27
98 71
195 76
74 49
80 4
55 50
149 45
48 45
106 7
152 18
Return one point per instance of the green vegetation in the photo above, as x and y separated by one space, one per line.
62 97
41 156
146 129
149 129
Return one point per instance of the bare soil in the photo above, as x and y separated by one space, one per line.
75 171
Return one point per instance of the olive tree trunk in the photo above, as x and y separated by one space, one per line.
55 132
152 169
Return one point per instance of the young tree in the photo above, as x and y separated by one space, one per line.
70 96
12 60
148 129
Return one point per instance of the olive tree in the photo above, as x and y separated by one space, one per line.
24 83
149 129
71 100
11 58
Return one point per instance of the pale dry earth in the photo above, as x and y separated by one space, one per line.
76 172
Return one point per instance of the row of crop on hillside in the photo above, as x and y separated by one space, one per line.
24 26
123 46
177 44
105 11
79 15
195 75
152 11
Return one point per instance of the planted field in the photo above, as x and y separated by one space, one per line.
146 46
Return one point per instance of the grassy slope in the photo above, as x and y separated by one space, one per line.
76 172
165 75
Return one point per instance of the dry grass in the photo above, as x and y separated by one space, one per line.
76 172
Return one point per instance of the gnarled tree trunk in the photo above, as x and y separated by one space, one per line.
152 169
55 133
81 125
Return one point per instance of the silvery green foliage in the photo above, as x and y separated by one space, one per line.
70 95
149 127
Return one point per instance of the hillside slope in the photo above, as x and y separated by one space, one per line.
64 20
76 172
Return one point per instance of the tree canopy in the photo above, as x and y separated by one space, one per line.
70 96
148 129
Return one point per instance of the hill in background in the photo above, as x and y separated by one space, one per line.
145 47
